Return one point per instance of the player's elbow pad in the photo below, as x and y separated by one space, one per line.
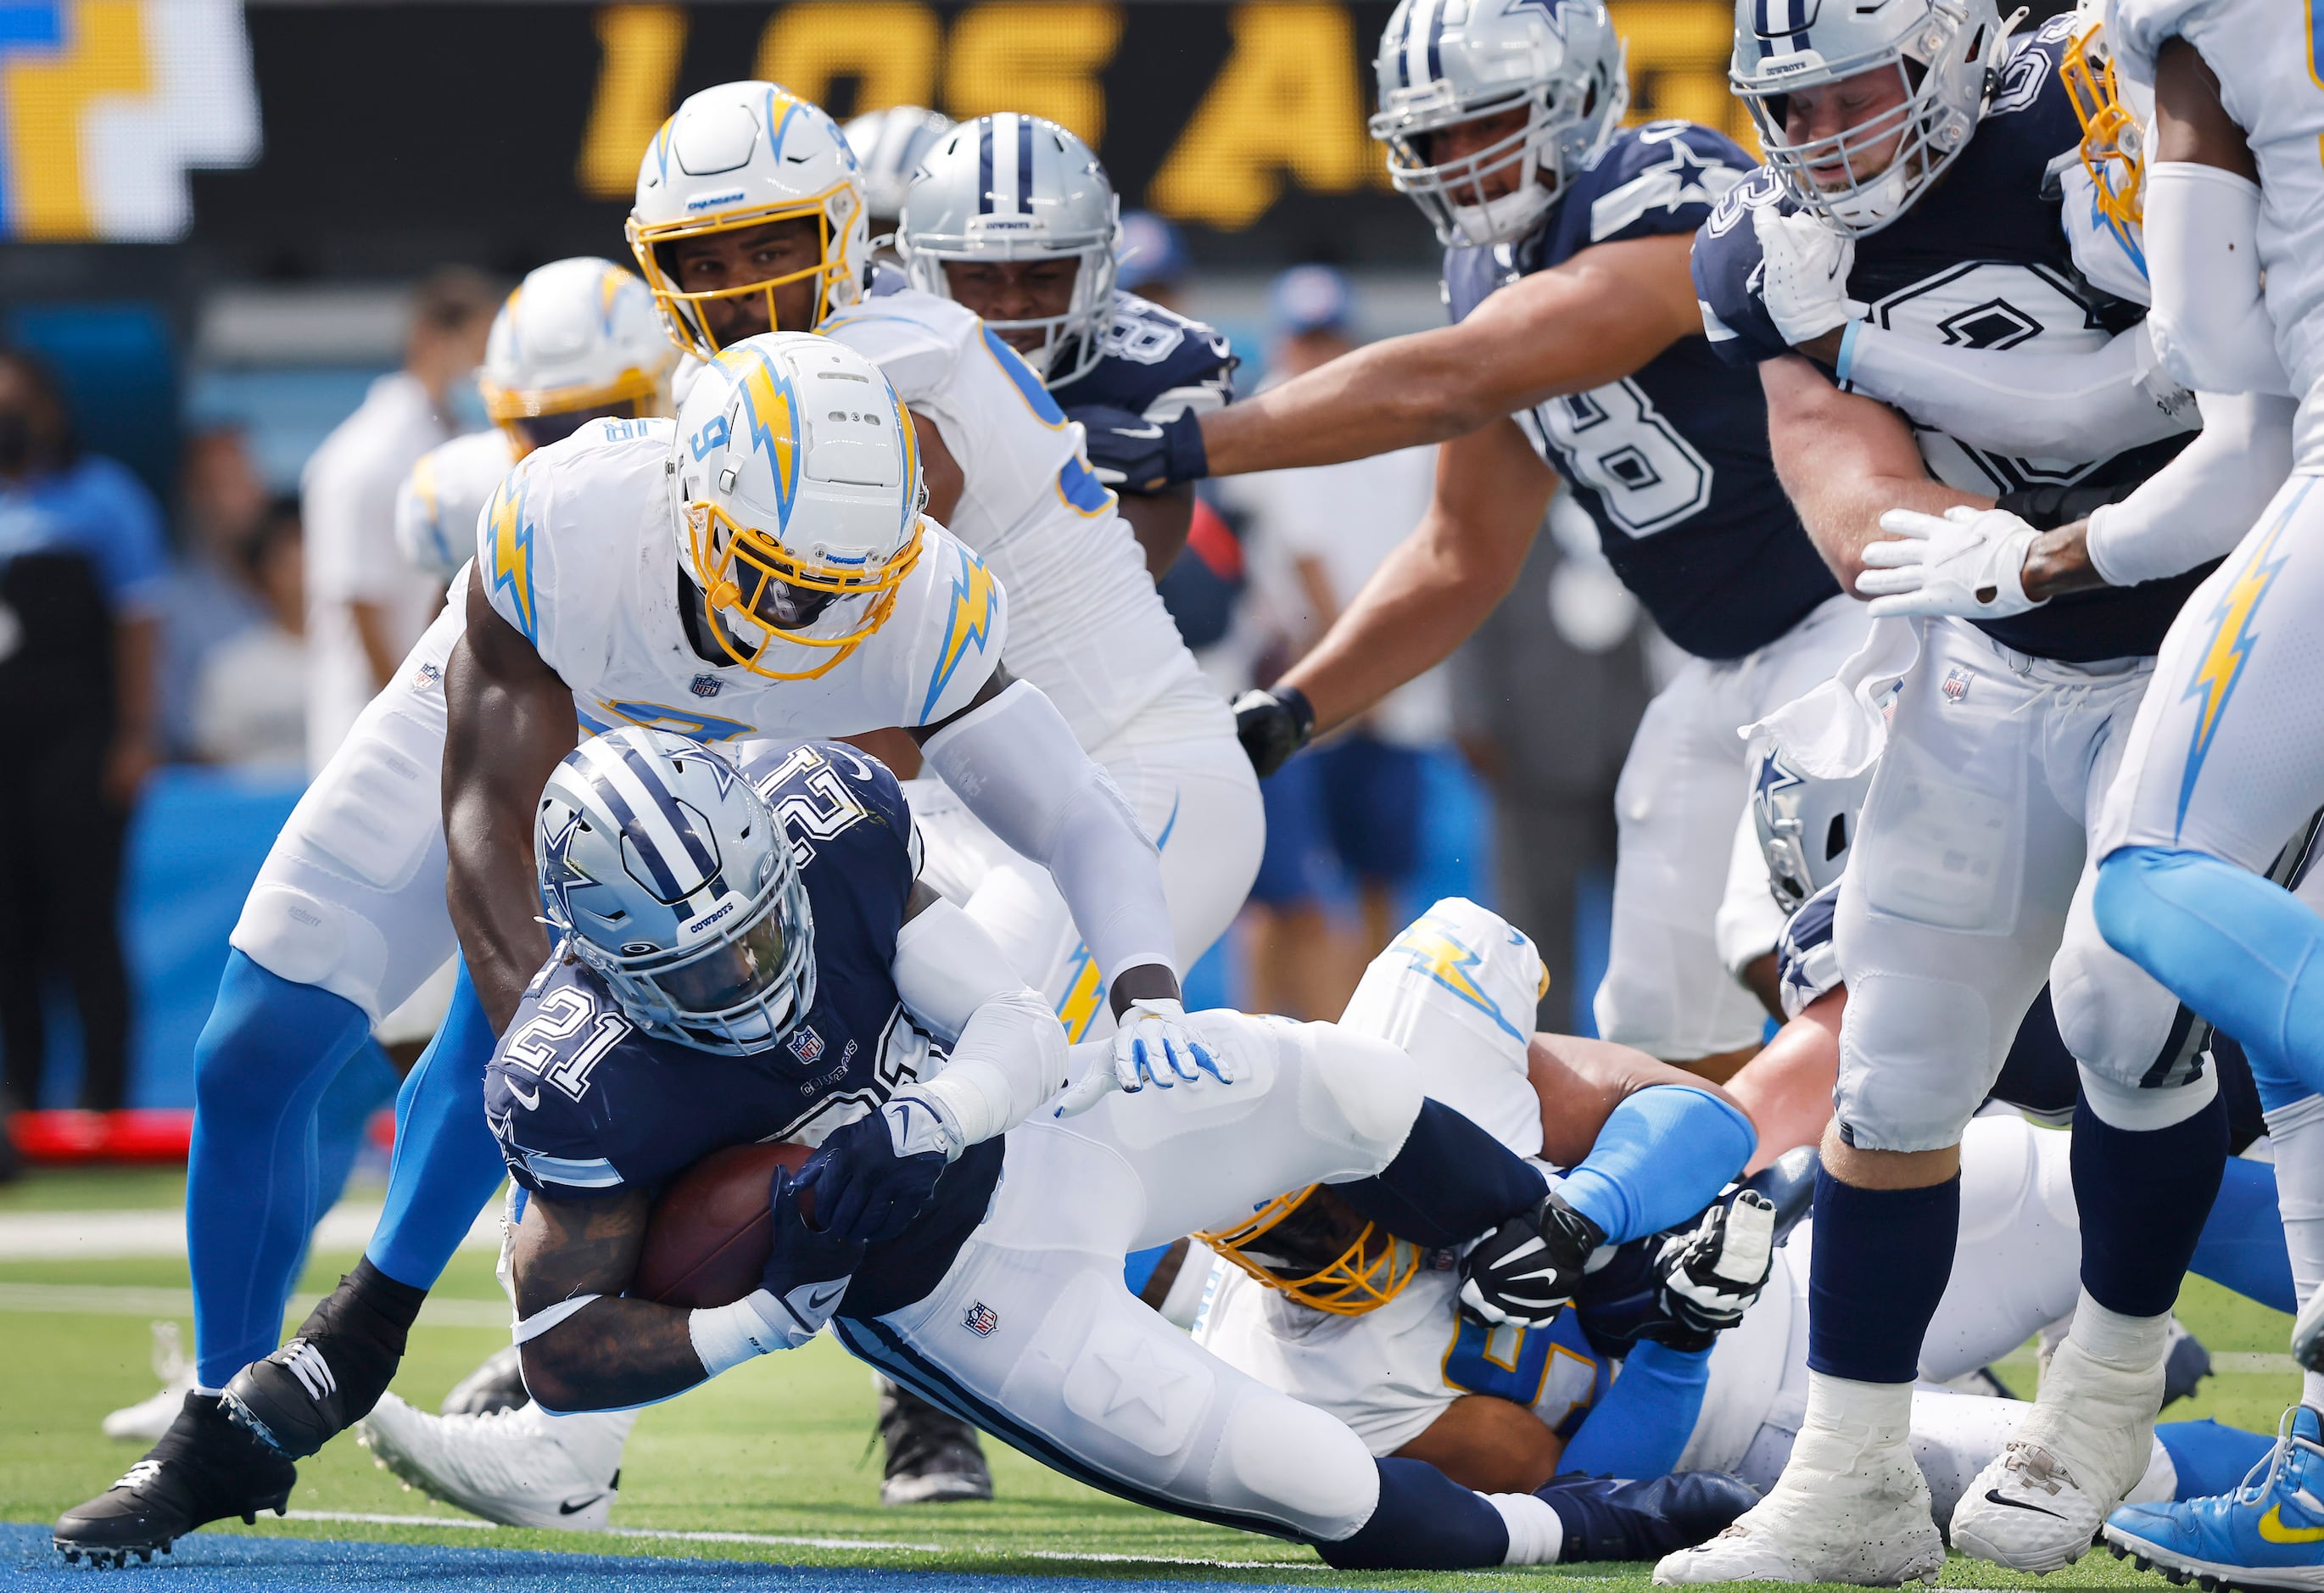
2199 505
1016 764
2210 320
1008 1061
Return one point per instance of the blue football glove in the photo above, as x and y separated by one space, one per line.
808 1268
1135 455
877 1174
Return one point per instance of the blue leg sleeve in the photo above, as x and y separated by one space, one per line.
2239 949
2242 1248
1663 1156
365 1084
1641 1427
267 1053
2211 1460
1425 1521
446 1162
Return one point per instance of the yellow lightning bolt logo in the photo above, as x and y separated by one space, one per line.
975 606
512 552
1084 993
767 416
1447 962
2229 649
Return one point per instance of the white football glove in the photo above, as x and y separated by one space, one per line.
1152 1046
1804 274
1969 562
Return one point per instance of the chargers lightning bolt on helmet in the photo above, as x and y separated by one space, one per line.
1011 187
744 155
2114 110
1946 56
890 146
670 876
1806 825
795 480
577 339
1315 1247
1443 62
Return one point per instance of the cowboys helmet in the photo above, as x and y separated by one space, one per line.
795 479
579 339
1442 64
1946 57
890 146
1012 187
739 156
1806 825
670 876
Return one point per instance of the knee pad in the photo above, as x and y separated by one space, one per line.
1352 1085
300 937
2112 1015
1282 1458
1903 1084
2142 1111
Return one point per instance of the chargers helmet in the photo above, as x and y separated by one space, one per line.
670 876
888 146
1013 187
439 504
742 155
2113 109
1946 56
579 339
795 481
1441 64
1315 1247
1806 825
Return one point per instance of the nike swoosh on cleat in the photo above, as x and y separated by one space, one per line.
1993 1495
570 1508
2272 1529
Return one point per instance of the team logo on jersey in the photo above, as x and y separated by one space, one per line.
706 685
2231 644
807 1044
981 1320
1434 952
1956 685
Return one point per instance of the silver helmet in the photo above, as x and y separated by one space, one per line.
1945 57
890 145
1442 63
1012 187
670 876
1806 825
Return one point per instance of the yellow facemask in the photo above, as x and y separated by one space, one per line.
2113 148
685 313
739 561
1278 1247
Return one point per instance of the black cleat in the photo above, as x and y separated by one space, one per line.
328 1376
1609 1520
204 1469
498 1384
933 1457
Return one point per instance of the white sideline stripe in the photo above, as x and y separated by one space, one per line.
108 1236
127 1300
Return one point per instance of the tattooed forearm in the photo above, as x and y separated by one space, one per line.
612 1351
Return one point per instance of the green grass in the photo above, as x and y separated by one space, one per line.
780 1447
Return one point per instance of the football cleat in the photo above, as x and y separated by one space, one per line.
2267 1534
203 1469
1610 1520
933 1457
2308 1333
328 1376
519 1468
498 1384
149 1418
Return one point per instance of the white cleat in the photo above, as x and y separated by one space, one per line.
2038 1504
147 1420
519 1468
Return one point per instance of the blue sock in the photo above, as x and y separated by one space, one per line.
2236 946
2144 1196
1881 1260
1642 1424
446 1162
2211 1460
265 1059
1425 1521
1450 1182
2242 1248
1662 1157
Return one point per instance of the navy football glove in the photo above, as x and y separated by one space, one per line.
808 1268
1526 1270
877 1174
1135 455
1272 726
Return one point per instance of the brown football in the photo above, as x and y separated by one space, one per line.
707 1240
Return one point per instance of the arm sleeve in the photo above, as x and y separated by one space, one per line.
1007 1048
2065 406
1641 1427
2199 506
1017 766
1664 1154
2210 321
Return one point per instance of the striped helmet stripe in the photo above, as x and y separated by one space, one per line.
984 168
1420 55
664 840
1024 165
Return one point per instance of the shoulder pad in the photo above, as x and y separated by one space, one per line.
1664 177
1725 268
964 626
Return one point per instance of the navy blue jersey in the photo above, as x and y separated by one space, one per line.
1671 460
1980 260
1153 360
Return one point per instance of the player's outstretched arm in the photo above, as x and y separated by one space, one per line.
608 1351
509 719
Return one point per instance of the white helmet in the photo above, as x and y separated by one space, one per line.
440 502
794 478
1442 63
577 339
1806 825
742 155
1946 55
668 875
1013 187
890 145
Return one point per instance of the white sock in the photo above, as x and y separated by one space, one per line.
2119 1341
2296 1132
1535 1532
1847 1423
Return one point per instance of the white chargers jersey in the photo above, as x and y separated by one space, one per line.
440 502
579 551
1088 628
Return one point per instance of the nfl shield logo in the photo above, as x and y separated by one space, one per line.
706 685
807 1044
982 1320
1956 685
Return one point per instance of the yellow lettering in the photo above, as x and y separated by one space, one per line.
641 46
47 103
888 46
1679 52
1288 100
1039 58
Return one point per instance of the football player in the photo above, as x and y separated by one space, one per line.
1908 187
890 146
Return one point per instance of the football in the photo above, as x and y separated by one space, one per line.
707 1240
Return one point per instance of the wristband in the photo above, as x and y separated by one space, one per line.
1303 712
726 1336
